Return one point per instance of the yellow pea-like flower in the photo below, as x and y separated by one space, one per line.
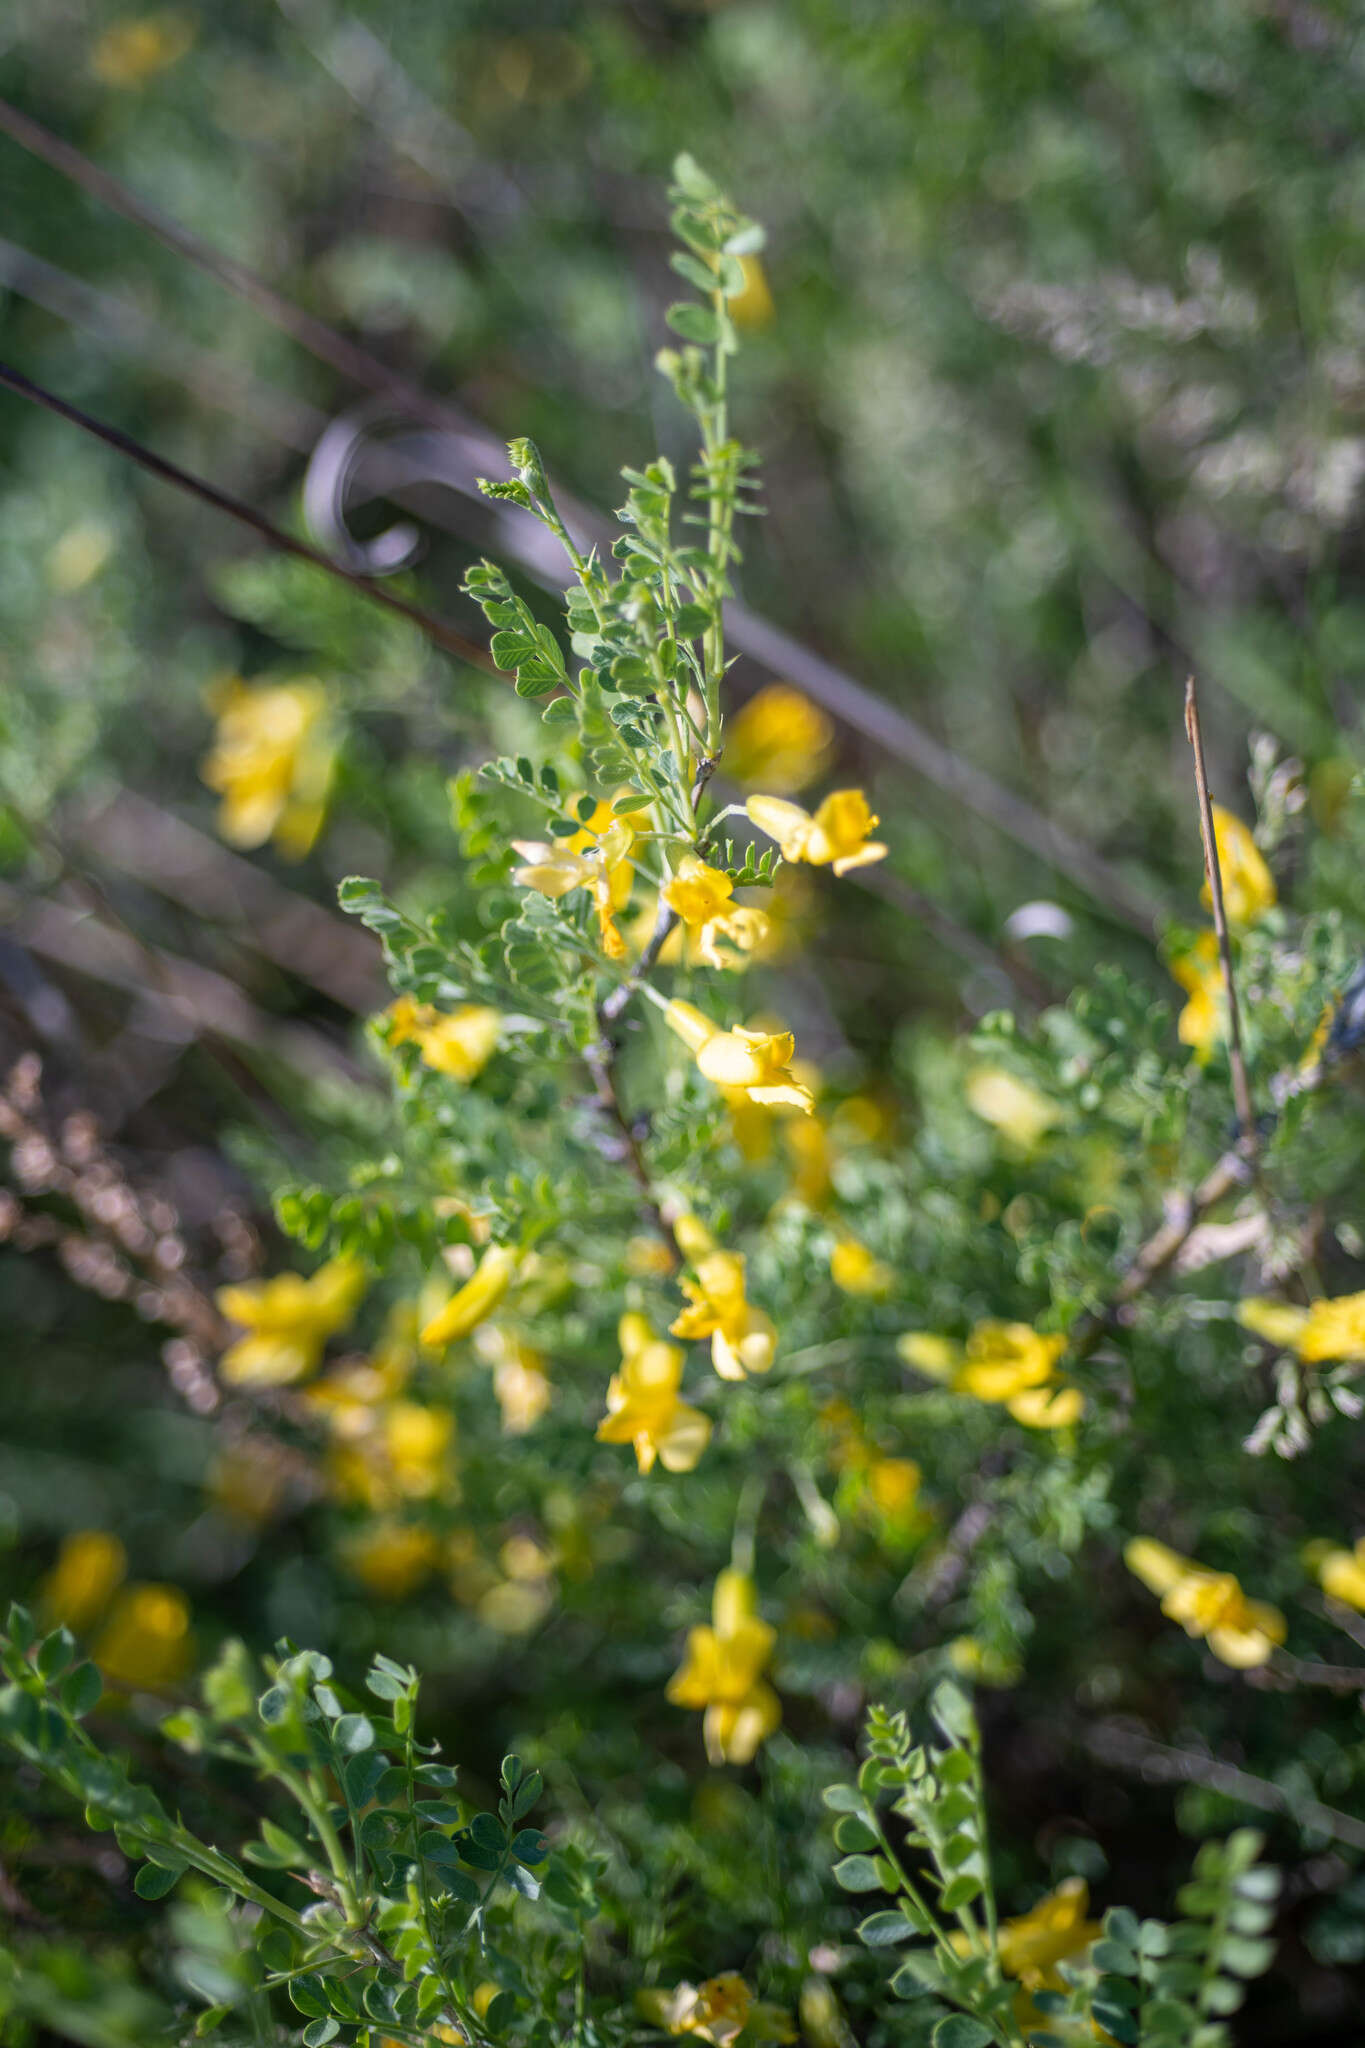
1331 1328
1009 1363
856 1270
1022 1114
743 1338
90 1567
146 1638
1248 885
476 1300
722 1673
838 835
644 1407
718 2011
272 760
757 1063
603 869
1207 1604
779 740
459 1043
287 1322
726 932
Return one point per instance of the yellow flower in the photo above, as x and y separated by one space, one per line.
1328 1329
698 893
288 1320
893 1485
131 52
346 1399
519 1602
90 1565
753 307
1341 1574
837 836
477 1299
648 1258
1334 1329
1203 1021
1278 1322
808 1142
392 1558
743 1338
521 1379
1240 1632
727 933
272 760
460 1043
1020 1113
146 1640
779 739
1248 886
599 825
855 1270
1049 1933
722 1672
1006 1362
643 1408
401 1453
718 2011
756 1062
416 1444
603 869
1248 892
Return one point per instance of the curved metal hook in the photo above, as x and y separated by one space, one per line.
332 487
374 452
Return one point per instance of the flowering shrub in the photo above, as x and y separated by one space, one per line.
624 1310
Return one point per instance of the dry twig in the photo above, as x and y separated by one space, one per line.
1241 1089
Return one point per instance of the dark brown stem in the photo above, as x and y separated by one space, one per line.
436 630
601 1064
616 1002
1241 1089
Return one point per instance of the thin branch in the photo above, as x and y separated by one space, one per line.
955 937
1156 1762
1184 1210
601 1063
436 630
1341 1616
164 853
204 1003
1286 1671
1241 1089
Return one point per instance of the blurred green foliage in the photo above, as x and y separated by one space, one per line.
1059 398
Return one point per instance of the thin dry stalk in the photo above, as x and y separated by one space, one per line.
1241 1088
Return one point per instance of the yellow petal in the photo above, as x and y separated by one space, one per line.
478 1298
1341 1575
691 1026
936 1357
1158 1567
785 822
1047 1407
1277 1321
